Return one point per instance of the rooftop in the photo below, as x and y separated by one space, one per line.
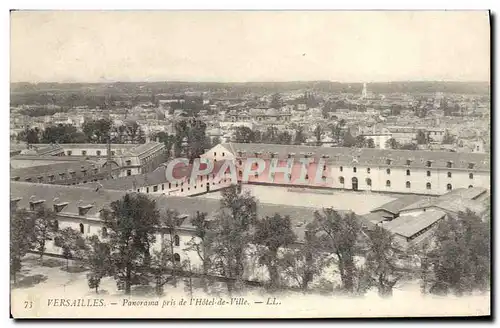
369 156
76 196
407 226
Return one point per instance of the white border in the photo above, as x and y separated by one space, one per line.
178 5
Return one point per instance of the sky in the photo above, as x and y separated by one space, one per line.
215 46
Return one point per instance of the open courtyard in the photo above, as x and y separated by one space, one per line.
358 202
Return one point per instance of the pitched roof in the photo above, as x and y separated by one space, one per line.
53 168
368 156
81 196
396 205
158 176
455 201
408 225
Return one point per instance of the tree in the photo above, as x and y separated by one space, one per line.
276 101
231 235
166 139
216 141
131 224
408 146
360 142
199 243
392 144
62 133
348 140
43 228
370 143
20 239
97 131
382 260
460 261
303 263
71 242
30 136
318 131
97 259
300 138
448 139
284 138
244 134
422 138
337 234
273 233
134 132
163 267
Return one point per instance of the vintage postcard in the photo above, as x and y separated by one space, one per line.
250 164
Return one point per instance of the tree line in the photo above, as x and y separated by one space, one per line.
94 131
236 241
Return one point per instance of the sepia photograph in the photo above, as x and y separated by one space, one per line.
250 164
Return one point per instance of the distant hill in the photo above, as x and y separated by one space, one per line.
23 92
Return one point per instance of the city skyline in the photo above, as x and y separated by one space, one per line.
126 46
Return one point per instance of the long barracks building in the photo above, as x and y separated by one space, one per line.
367 169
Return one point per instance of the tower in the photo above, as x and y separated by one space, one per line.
364 92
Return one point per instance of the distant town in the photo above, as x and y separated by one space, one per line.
391 168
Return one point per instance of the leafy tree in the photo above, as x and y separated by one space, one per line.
276 101
273 233
30 136
284 138
166 139
392 144
131 224
448 139
244 135
360 142
96 257
215 141
318 131
348 140
43 228
409 146
460 261
300 138
370 143
71 242
337 234
422 138
62 133
20 239
199 243
231 235
134 132
383 260
97 131
303 263
163 267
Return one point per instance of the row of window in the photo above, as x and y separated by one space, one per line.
388 183
62 176
84 153
155 188
408 172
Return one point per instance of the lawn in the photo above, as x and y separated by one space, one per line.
40 283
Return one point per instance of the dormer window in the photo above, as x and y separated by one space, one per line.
40 179
15 178
59 207
388 161
471 166
35 204
429 163
83 209
408 162
14 201
27 179
449 164
128 162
